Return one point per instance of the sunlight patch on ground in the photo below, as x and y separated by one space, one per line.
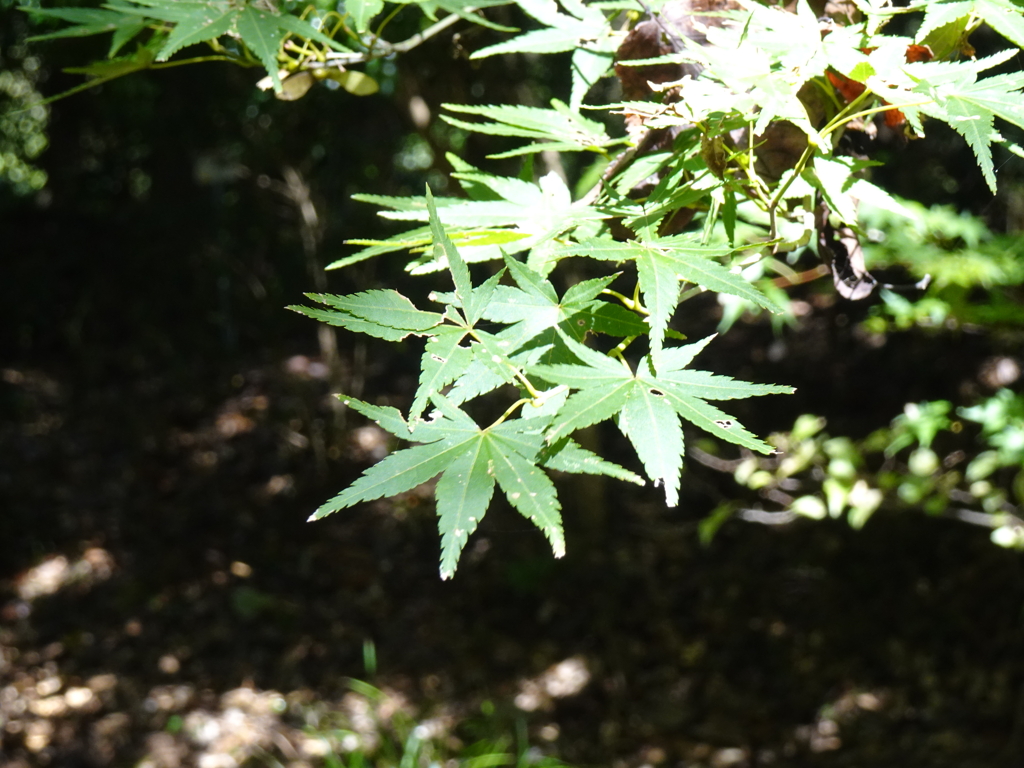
566 678
56 572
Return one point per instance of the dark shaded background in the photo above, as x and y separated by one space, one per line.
163 415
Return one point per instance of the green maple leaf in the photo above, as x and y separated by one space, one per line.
384 307
568 456
205 21
445 358
533 309
969 105
563 32
780 52
516 216
384 314
91 21
197 21
443 361
261 35
363 11
470 460
560 128
649 404
662 263
1004 16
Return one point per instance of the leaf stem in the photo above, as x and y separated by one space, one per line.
627 302
525 382
841 119
885 108
798 169
200 59
383 24
509 411
517 372
621 347
760 189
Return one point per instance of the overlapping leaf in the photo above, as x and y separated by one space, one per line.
193 21
385 314
954 94
92 21
518 216
1004 16
559 128
562 32
533 308
662 263
649 403
470 460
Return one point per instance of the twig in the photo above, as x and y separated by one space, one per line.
384 48
715 463
767 518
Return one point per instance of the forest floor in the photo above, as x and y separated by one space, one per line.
164 603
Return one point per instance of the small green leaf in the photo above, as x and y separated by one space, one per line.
711 419
397 473
463 495
710 386
568 456
652 426
456 264
362 12
352 323
614 320
262 35
383 307
526 486
443 361
207 23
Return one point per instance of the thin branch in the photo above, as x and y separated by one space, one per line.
715 463
384 48
767 518
986 519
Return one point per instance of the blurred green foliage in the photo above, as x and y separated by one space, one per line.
23 121
960 255
378 729
925 459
